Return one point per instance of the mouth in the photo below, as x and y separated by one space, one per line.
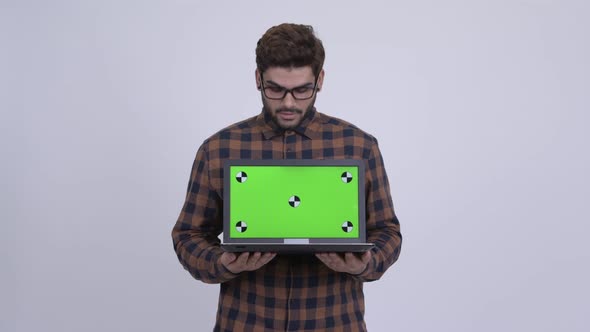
288 115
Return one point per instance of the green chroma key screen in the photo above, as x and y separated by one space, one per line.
294 201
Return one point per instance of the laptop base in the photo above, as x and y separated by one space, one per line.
297 248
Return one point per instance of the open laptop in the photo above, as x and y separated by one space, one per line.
294 206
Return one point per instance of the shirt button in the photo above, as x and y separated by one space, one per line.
289 132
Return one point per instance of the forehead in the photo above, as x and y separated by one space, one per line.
289 76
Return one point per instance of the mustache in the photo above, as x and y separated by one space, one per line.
290 110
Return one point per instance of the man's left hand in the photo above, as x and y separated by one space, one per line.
349 263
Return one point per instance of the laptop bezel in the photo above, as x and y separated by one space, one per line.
361 239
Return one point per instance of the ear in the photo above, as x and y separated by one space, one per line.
320 80
257 77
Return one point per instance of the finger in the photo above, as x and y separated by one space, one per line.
242 260
253 259
232 262
335 258
322 257
350 258
264 259
325 258
268 256
366 257
228 256
336 261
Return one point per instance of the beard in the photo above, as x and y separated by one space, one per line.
274 113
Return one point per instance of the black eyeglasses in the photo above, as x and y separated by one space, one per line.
277 92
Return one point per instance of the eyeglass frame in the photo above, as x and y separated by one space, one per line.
285 90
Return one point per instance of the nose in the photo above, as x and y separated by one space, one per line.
289 101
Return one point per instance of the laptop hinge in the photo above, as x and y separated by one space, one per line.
296 241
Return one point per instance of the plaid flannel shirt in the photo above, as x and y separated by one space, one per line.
291 292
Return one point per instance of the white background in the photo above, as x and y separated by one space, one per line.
480 107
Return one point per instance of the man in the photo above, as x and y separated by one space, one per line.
266 291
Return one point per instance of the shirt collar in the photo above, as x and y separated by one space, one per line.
309 126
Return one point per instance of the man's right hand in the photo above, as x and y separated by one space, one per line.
245 261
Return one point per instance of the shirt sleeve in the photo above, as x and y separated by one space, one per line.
195 234
383 228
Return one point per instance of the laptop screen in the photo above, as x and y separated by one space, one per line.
293 199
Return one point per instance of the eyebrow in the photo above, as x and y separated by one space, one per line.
306 85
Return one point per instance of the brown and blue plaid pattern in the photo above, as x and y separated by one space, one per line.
292 292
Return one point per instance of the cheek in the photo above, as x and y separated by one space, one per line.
305 106
273 105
